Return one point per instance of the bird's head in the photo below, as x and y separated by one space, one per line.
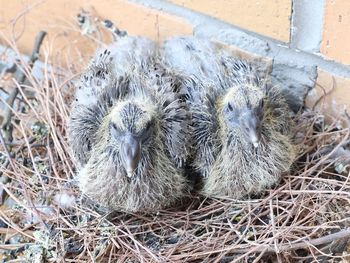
132 127
243 108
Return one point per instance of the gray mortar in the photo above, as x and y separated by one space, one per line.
293 69
307 24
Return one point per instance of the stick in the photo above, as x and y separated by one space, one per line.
271 248
10 101
21 78
300 245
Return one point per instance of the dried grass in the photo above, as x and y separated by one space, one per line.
305 218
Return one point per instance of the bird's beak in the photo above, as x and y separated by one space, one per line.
255 136
253 131
130 153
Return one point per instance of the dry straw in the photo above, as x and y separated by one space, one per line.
304 218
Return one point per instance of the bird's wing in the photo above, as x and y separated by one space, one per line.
280 111
175 118
133 54
95 79
205 126
83 124
86 118
192 56
198 70
130 55
236 71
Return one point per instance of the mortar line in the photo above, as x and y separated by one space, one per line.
306 33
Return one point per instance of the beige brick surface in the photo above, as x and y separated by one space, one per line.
58 18
336 31
266 17
338 98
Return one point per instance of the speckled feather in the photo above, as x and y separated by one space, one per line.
129 71
230 166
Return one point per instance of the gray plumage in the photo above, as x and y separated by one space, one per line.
129 129
241 136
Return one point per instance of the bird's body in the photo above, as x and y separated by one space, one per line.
241 137
129 129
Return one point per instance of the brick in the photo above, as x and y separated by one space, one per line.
270 18
338 98
336 31
58 18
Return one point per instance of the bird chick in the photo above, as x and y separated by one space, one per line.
129 130
241 136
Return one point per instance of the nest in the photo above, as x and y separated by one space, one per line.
44 218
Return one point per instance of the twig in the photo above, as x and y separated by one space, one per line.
21 78
283 247
9 159
14 246
300 245
325 93
11 99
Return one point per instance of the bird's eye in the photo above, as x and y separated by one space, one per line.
261 104
148 126
146 132
115 131
247 129
229 106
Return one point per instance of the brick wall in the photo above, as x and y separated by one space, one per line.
305 41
